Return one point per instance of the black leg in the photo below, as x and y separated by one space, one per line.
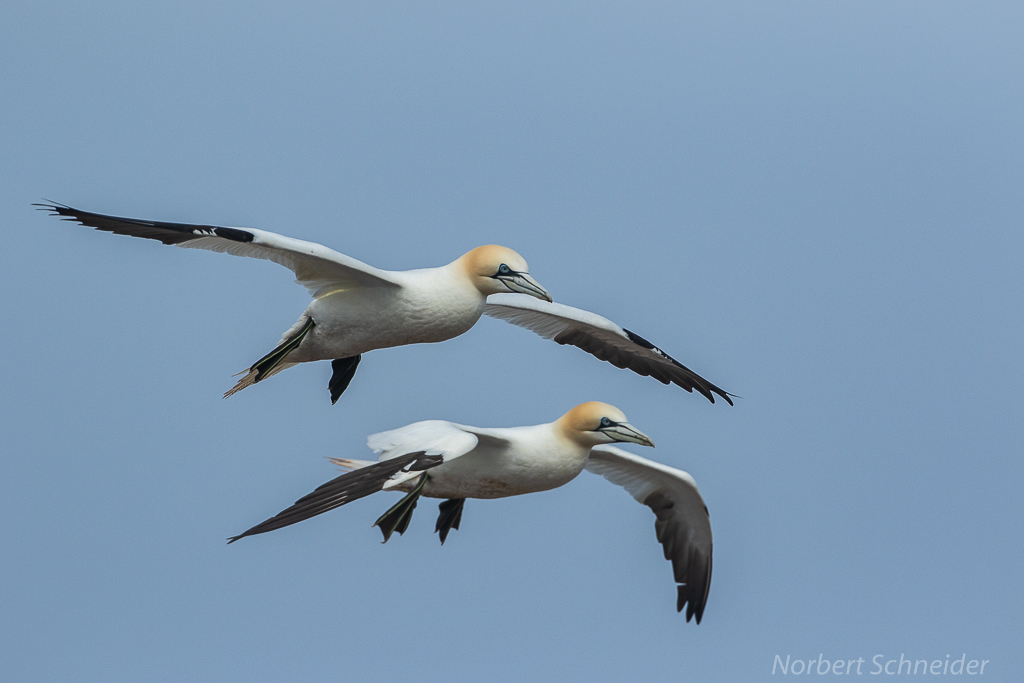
398 516
344 370
451 515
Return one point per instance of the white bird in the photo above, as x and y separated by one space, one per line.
357 308
440 459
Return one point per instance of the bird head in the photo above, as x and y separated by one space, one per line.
494 270
594 423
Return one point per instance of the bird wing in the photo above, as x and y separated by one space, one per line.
600 337
682 525
319 269
433 437
405 453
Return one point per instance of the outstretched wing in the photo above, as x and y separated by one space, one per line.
601 337
682 524
319 269
424 445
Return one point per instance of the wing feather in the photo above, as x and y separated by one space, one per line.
430 436
346 488
599 337
404 454
681 518
320 269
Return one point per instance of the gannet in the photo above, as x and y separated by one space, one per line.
440 459
357 308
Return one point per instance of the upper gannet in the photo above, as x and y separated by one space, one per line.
440 459
358 308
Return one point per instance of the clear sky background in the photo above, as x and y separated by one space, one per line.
817 206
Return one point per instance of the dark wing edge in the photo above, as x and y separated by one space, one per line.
601 338
691 567
682 523
675 373
344 489
168 233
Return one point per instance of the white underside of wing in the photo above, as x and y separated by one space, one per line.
551 320
547 319
599 337
639 476
319 269
681 523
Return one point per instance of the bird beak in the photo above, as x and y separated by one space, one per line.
624 431
524 284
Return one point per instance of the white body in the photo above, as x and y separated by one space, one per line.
428 305
504 462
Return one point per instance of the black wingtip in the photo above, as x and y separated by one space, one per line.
343 489
168 233
709 391
689 601
690 382
54 208
248 532
706 388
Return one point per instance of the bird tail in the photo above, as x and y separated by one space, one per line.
274 362
348 464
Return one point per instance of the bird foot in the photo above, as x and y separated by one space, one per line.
451 515
399 515
344 371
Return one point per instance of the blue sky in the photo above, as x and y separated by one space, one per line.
817 206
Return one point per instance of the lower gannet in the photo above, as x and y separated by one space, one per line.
440 459
358 308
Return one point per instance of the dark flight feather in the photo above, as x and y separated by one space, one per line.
168 233
341 490
691 567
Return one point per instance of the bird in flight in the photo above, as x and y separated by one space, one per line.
357 308
440 459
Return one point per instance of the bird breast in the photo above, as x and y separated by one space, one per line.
430 307
538 462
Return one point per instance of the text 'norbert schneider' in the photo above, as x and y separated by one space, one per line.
879 665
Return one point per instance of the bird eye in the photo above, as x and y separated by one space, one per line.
605 422
504 270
